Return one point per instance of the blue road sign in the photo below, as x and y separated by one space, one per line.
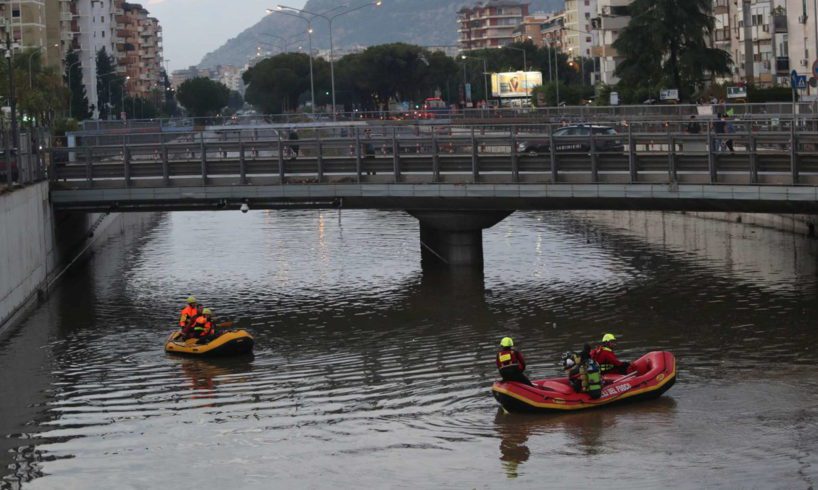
801 82
793 79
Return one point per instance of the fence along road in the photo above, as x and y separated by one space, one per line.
761 165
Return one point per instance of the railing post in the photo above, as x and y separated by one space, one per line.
794 170
89 166
242 165
671 158
594 162
395 155
204 158
318 155
357 155
280 160
435 157
126 165
711 157
632 156
165 166
515 164
751 148
475 172
552 153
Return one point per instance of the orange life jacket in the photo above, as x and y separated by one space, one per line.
203 326
188 312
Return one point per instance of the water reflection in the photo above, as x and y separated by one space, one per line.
370 371
584 434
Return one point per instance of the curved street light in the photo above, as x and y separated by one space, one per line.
280 10
329 19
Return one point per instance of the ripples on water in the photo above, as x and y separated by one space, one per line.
368 371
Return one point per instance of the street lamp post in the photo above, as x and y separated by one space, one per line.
280 10
485 74
329 20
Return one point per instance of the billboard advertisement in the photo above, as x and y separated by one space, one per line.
514 84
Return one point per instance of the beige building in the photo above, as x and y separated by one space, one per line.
611 18
579 38
25 20
490 24
530 29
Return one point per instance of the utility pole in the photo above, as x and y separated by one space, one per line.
749 76
12 96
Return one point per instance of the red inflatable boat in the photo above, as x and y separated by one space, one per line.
649 377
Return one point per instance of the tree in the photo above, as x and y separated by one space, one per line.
279 83
665 44
73 76
109 85
202 96
40 92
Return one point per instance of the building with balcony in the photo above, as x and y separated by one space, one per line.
530 29
25 20
611 18
490 24
579 37
552 31
138 44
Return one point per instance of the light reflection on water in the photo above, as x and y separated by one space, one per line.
369 371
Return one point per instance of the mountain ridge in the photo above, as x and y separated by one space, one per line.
422 22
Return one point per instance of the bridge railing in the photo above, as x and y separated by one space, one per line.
735 152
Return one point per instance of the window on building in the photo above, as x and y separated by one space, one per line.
15 13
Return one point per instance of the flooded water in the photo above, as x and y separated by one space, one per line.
369 372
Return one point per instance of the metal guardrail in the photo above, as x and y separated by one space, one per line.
805 110
739 153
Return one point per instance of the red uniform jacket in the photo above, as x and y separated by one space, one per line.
515 358
606 358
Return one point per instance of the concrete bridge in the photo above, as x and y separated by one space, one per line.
457 180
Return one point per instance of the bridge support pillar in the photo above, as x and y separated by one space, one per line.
454 238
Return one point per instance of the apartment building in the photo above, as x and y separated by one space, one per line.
490 24
579 37
553 31
530 29
611 18
25 20
139 49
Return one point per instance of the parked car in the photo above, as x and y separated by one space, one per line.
567 139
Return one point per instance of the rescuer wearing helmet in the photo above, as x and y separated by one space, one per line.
583 372
511 363
203 328
188 312
605 357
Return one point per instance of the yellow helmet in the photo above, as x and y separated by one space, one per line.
506 342
207 311
191 299
608 337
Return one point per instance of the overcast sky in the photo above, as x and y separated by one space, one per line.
192 28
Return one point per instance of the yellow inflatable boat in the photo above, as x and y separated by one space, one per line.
229 343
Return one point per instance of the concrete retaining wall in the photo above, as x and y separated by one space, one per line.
36 244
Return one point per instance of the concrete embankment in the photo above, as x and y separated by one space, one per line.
36 246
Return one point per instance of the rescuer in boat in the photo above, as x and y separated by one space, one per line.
511 363
583 372
187 330
189 312
203 329
606 358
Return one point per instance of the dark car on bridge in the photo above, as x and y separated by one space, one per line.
574 138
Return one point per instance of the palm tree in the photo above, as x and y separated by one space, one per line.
666 44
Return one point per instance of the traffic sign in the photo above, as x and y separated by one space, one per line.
813 82
801 82
793 79
815 68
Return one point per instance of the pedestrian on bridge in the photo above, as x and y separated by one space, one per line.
293 136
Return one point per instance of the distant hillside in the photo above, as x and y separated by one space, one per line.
423 22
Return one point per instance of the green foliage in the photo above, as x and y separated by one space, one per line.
666 45
39 90
546 95
203 97
110 85
78 103
277 84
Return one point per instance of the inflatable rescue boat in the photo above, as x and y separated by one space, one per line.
229 343
648 377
